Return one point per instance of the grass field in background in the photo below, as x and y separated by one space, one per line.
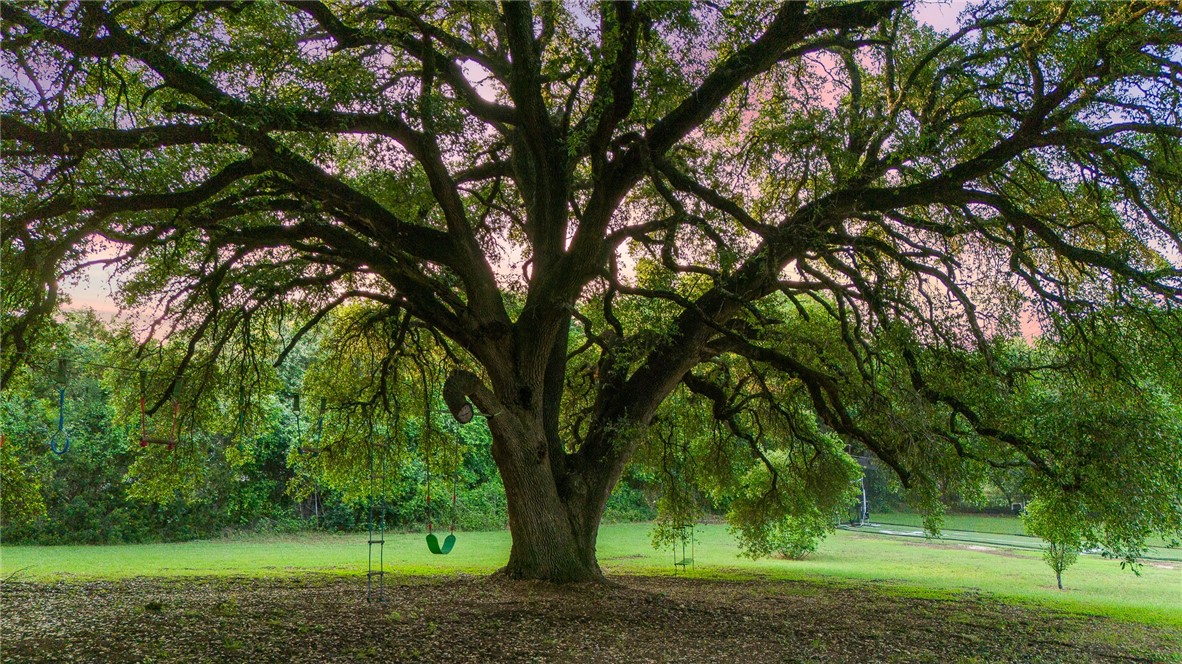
984 523
1094 585
1001 524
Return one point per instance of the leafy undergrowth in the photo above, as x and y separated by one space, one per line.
465 618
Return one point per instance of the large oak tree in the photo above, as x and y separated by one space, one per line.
815 220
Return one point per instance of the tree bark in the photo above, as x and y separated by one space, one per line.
555 505
554 520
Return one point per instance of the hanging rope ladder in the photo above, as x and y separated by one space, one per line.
685 539
377 531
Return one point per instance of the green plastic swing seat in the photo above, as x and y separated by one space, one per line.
449 543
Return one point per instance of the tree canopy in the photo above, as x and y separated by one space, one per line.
770 236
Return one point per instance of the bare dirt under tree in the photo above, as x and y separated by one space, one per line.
461 618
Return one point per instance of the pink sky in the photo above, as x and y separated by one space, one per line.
93 287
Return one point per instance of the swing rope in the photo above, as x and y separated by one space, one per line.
174 426
143 415
432 541
240 425
176 413
61 426
449 542
427 454
299 431
319 435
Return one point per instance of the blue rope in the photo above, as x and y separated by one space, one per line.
61 426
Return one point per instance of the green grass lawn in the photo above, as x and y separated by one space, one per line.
1094 585
1001 524
984 523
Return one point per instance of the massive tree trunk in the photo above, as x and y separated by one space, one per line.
554 518
555 500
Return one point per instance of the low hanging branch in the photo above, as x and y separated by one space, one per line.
498 172
462 385
456 389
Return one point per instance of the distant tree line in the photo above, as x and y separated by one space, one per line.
107 488
154 456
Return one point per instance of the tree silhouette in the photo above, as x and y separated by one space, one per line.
814 220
